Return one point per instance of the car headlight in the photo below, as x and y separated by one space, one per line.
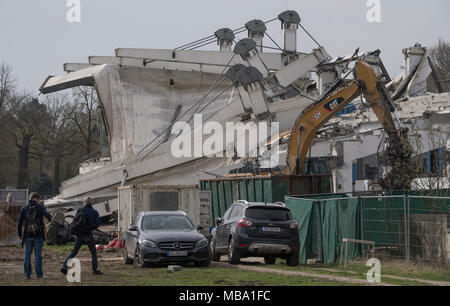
202 242
149 244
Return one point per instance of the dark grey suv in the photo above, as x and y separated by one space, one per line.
165 237
256 229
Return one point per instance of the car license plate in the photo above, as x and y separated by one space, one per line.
177 253
271 229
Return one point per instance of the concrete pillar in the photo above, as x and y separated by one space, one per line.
256 29
325 79
413 56
247 48
248 79
289 23
225 38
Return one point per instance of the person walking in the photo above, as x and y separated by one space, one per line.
88 219
30 229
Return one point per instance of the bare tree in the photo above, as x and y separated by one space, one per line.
27 121
84 115
58 134
7 100
7 85
43 143
440 59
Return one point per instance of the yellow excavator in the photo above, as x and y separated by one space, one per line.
366 83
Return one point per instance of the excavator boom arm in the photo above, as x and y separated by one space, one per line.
315 116
311 120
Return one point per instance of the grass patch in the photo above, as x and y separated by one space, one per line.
192 276
63 249
395 268
404 269
118 274
124 275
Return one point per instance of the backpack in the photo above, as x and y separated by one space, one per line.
32 225
79 224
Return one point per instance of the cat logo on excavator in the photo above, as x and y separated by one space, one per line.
330 106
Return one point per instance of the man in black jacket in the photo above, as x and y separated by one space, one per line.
93 221
30 229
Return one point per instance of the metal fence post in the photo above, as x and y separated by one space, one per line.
319 232
405 217
408 229
361 221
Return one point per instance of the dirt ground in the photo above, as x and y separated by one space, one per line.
117 273
251 271
11 265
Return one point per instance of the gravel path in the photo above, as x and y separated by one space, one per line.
247 267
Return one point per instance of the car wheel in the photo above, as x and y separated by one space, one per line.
139 258
233 256
269 260
126 260
212 246
292 260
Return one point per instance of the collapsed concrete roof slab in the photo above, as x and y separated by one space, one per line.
273 61
72 67
138 101
63 203
165 65
83 77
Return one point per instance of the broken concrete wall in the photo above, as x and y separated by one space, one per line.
140 103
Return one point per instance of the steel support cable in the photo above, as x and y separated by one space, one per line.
303 28
274 42
223 91
212 38
208 41
179 117
205 41
211 88
267 47
213 100
200 102
217 79
202 45
209 103
194 42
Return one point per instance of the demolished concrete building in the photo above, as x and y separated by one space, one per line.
142 92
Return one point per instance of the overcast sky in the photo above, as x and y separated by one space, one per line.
36 38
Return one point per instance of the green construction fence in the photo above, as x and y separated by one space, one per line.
324 220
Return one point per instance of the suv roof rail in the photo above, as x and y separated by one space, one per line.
280 203
241 201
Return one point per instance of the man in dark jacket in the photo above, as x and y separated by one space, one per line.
93 222
30 229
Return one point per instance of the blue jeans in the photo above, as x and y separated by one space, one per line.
89 241
30 243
